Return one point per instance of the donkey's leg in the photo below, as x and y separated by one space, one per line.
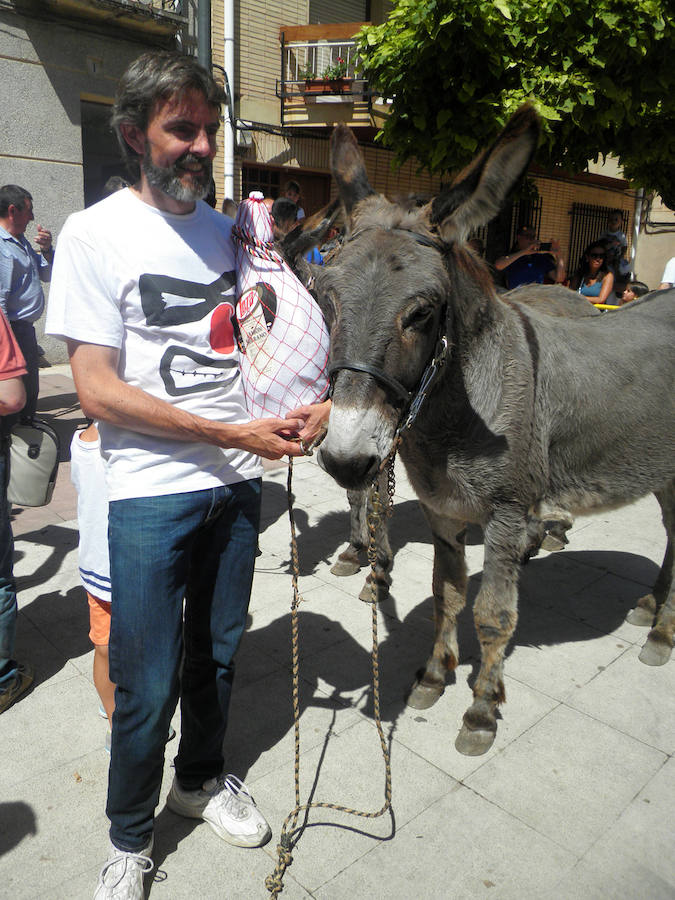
348 562
647 606
495 615
449 589
658 647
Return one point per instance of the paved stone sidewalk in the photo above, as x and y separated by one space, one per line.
575 799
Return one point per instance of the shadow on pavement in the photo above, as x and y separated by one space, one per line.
17 820
555 610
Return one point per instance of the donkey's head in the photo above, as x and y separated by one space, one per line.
403 280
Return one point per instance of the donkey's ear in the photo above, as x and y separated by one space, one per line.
348 167
479 192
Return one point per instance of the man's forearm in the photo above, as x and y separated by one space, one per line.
12 396
105 397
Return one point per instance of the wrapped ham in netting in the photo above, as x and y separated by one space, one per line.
283 339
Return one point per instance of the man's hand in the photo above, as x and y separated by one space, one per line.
44 240
271 438
314 420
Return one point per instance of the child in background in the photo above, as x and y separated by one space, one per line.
633 290
87 472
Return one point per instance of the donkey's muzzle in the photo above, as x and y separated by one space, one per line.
354 471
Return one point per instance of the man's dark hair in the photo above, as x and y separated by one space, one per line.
293 186
153 78
210 198
113 184
284 211
12 195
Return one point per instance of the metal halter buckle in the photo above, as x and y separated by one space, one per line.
429 377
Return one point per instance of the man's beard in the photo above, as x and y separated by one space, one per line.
169 181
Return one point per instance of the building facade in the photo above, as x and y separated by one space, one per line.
60 61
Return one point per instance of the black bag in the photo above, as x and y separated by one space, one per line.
33 463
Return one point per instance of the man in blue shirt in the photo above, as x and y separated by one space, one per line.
22 270
528 264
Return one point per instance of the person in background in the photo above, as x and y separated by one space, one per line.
15 677
87 472
292 192
229 207
528 264
616 242
114 183
210 197
21 272
633 290
284 214
668 279
593 278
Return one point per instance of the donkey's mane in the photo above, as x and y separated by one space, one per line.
378 212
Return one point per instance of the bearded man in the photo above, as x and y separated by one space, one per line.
143 292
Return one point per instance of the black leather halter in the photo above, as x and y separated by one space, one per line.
411 400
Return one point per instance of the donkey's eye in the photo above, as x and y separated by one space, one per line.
418 317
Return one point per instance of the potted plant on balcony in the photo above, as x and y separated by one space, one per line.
336 76
333 79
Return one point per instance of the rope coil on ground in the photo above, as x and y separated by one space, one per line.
274 882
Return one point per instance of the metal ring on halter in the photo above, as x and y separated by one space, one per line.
306 449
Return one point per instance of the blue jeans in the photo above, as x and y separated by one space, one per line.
7 583
200 547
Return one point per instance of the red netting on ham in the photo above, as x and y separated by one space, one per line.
283 337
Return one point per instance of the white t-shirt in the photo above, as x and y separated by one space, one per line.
669 272
160 288
87 472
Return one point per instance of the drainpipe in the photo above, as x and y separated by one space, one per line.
229 127
636 229
204 34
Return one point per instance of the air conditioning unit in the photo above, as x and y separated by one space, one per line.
244 137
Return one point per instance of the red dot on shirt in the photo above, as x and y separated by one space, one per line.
222 333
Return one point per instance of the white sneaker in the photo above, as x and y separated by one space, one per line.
121 878
225 803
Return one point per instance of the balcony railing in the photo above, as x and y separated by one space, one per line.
158 16
310 55
309 52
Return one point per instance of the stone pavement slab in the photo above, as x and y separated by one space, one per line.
574 800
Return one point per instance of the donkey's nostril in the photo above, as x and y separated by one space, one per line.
352 472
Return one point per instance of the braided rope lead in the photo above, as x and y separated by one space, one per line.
274 882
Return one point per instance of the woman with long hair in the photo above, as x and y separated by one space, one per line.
594 279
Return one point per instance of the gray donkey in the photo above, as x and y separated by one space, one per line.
494 403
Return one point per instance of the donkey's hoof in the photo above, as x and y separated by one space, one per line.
423 695
644 612
552 543
343 567
381 592
640 616
655 653
474 743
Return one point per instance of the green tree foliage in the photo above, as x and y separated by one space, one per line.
600 72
